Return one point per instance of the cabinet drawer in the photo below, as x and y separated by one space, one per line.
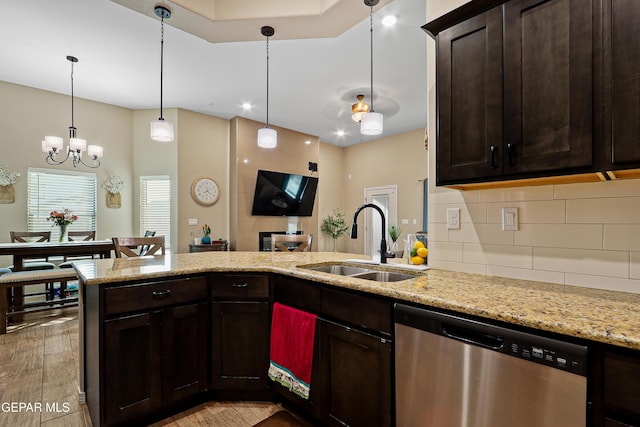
359 310
298 293
145 296
240 286
619 390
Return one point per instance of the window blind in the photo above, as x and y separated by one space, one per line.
49 190
155 206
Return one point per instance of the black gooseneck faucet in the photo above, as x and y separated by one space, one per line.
383 242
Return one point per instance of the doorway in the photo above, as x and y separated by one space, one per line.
386 199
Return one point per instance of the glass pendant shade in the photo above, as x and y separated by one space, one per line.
95 151
162 131
51 142
267 138
371 124
77 144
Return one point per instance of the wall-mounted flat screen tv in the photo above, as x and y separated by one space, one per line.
284 194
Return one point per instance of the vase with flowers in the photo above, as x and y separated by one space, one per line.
206 234
62 219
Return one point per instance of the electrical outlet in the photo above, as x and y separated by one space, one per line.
453 218
509 219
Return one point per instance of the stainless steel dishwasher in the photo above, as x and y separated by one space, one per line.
452 372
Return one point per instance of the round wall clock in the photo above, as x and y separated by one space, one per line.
205 191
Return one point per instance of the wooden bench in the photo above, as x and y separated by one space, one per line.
33 277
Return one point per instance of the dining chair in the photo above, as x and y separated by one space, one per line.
124 246
32 237
77 236
291 242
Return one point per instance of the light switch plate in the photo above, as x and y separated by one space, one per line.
509 219
193 221
453 218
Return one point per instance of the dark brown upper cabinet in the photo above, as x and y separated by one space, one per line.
514 89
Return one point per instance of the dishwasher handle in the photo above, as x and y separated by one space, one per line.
471 336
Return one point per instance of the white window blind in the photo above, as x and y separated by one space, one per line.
56 190
155 206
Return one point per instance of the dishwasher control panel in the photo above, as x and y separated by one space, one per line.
546 351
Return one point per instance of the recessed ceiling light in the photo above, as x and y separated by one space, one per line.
246 106
307 142
389 20
340 133
245 161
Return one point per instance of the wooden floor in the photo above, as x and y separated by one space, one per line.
39 381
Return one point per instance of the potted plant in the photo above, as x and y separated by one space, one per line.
206 234
334 226
394 233
7 179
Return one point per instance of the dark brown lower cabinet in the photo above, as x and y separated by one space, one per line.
132 382
153 360
356 376
621 387
240 345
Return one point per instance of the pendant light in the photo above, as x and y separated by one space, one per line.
161 130
359 109
371 123
267 137
53 145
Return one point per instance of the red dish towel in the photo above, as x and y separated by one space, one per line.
292 336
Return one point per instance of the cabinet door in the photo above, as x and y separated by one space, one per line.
469 67
356 377
240 345
622 82
547 85
184 351
132 367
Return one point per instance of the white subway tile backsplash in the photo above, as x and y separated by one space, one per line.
582 236
526 274
541 192
538 212
443 251
603 282
507 256
594 262
622 237
491 234
471 212
592 190
604 211
449 196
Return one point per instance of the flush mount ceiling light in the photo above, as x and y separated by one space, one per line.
371 123
52 145
267 137
359 109
161 130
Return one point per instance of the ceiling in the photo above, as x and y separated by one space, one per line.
215 58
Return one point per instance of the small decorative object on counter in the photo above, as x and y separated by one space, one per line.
417 252
394 233
113 186
62 219
7 179
206 231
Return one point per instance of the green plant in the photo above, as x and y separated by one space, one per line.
394 232
334 226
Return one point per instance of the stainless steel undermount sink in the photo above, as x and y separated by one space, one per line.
359 272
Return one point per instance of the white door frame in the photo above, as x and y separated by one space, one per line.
371 194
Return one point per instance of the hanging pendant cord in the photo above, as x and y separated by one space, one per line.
371 35
267 124
72 129
161 61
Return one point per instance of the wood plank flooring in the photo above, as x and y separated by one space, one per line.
39 370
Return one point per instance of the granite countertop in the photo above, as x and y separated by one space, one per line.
604 316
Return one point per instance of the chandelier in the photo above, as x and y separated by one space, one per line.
359 109
53 145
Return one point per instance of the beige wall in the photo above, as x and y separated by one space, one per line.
291 155
203 150
331 193
399 160
574 234
28 114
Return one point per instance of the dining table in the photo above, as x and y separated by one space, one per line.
22 252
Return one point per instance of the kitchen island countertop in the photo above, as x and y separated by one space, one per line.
594 314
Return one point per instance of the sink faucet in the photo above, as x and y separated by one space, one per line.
383 242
